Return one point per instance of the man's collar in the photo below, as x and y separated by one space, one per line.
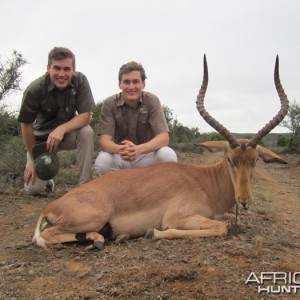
121 101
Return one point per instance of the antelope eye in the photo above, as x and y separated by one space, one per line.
230 162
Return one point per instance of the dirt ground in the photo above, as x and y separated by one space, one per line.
266 239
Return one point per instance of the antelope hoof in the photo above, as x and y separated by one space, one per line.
99 244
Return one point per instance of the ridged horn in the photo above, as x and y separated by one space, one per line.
206 116
280 115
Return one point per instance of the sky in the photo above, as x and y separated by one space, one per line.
169 38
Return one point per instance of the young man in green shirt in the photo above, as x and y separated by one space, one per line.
56 109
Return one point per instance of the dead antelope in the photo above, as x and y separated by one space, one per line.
169 200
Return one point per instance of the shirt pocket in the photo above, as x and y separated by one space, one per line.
70 105
143 116
49 105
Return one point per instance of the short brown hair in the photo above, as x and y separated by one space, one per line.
132 66
58 53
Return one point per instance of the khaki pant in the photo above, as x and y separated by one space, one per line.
82 140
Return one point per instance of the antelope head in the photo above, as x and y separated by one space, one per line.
241 155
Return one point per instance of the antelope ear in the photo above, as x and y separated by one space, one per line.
215 145
269 156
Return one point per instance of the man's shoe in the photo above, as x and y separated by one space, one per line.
50 186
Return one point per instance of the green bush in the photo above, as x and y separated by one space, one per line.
282 140
68 171
67 158
9 125
187 147
210 136
294 143
12 162
67 176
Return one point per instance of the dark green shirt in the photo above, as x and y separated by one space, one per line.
138 125
47 107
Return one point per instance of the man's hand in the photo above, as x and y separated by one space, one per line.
55 138
128 150
29 173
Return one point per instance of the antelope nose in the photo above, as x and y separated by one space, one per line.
245 206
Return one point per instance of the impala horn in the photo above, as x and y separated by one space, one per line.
206 116
280 115
223 131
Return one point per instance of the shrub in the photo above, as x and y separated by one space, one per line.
282 140
12 163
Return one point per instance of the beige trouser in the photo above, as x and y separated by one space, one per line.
82 140
106 162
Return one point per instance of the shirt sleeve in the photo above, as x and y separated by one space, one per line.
30 105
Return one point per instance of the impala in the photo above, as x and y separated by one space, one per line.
168 200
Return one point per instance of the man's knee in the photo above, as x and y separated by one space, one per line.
103 163
86 133
81 138
166 154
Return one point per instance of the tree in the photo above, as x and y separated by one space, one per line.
10 77
95 115
9 125
292 122
10 74
12 148
181 137
169 115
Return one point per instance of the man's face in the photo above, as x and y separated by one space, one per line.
61 72
132 86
